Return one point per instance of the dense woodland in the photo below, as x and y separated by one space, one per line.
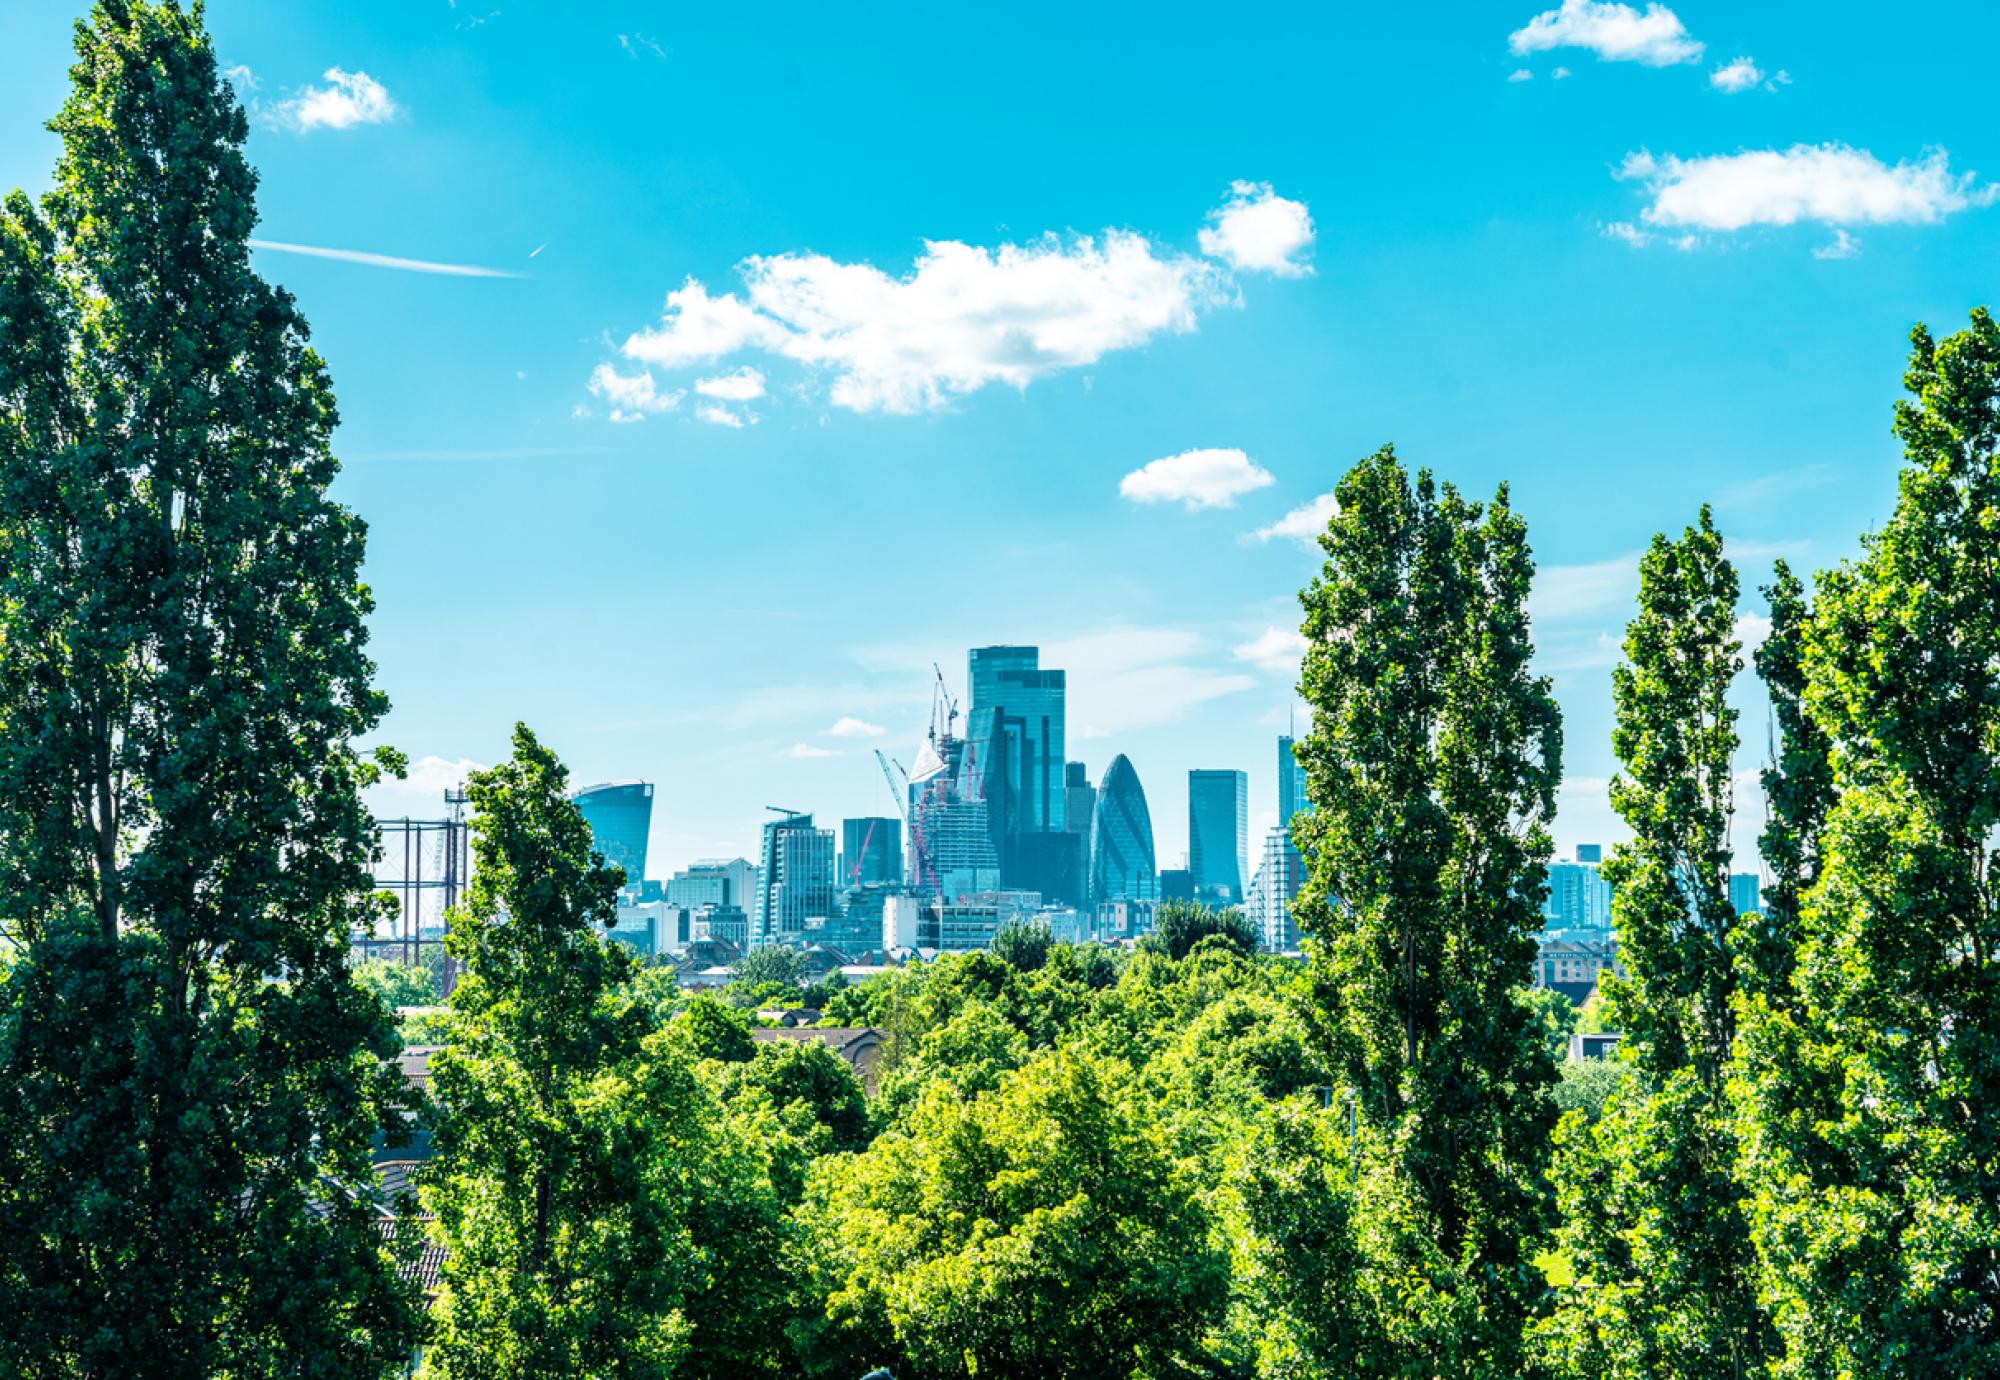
1187 1159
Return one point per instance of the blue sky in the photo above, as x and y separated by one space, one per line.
1642 275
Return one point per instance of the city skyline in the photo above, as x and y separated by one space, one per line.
736 585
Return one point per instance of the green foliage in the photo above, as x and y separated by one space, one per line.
807 1077
189 1077
1180 925
1868 1092
1587 1083
1653 1225
1038 1229
1022 944
1554 1014
774 966
1433 761
1798 791
709 1029
563 1258
398 984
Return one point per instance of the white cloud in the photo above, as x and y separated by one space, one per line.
1841 246
1196 479
1127 678
1616 33
1258 229
1277 650
1574 591
1520 74
420 794
1739 75
1751 630
807 751
697 327
348 99
242 78
850 727
362 256
633 44
966 316
742 386
1303 524
1560 74
721 416
1828 183
1627 232
632 397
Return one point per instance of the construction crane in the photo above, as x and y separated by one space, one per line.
782 810
901 797
854 872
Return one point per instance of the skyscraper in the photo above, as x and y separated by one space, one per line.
1273 888
1579 899
797 882
1291 783
1079 818
951 845
1121 854
1218 834
620 816
1743 893
1015 738
871 851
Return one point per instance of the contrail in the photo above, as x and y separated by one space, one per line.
358 256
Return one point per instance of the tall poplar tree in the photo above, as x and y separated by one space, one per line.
1870 1094
566 1253
1653 1221
1798 789
1433 762
189 1078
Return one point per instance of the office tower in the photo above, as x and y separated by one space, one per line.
714 882
1218 834
1579 899
1121 855
1176 884
951 843
871 851
1079 818
620 816
797 881
1015 739
1291 783
1273 888
1744 890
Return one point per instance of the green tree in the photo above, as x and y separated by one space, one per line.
1023 945
1180 925
1654 1227
398 984
1038 1231
1870 1091
189 1076
564 1257
1556 1016
1433 760
1798 789
771 966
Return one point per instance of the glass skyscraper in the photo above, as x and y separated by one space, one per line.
1218 834
1121 839
796 883
871 851
1015 739
1291 784
620 816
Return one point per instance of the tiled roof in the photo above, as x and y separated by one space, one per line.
428 1266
